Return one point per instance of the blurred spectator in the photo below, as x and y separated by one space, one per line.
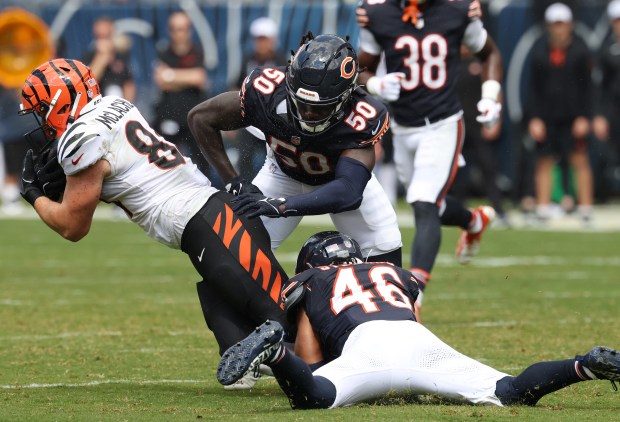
12 130
480 148
559 107
108 58
606 125
182 78
264 32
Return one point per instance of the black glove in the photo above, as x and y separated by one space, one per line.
255 204
50 174
238 186
30 187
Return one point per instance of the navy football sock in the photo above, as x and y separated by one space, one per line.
536 381
304 390
455 214
427 236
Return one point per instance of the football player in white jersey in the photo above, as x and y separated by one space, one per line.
109 153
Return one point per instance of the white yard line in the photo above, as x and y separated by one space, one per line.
61 336
179 333
103 382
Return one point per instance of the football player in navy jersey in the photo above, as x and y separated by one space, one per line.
319 128
356 324
421 42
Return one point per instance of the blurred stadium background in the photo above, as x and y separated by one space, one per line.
222 29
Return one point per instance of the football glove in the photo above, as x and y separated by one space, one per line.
30 188
386 87
257 204
50 174
238 186
489 112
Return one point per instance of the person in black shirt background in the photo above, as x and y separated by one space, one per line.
182 78
559 108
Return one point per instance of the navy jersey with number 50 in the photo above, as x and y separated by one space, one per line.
427 52
310 159
339 298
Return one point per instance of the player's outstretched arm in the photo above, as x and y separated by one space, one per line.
206 120
73 217
490 105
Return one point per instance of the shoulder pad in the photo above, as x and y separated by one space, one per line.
376 126
294 291
80 147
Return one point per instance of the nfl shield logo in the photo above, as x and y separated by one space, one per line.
295 140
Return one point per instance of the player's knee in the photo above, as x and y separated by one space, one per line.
425 211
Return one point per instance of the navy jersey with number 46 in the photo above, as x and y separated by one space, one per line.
427 52
339 298
308 158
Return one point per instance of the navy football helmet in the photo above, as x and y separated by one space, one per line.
320 79
328 248
323 248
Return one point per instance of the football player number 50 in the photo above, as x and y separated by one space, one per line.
348 291
358 119
267 81
426 61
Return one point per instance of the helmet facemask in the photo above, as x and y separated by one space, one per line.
316 117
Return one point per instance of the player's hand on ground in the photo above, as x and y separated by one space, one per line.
489 110
29 186
50 174
238 186
387 86
257 204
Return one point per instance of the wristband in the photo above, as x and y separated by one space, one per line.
373 85
491 89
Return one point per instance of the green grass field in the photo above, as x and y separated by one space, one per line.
110 328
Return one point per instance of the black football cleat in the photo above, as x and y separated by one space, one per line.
259 347
603 363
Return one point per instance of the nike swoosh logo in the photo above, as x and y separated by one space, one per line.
374 132
200 256
77 160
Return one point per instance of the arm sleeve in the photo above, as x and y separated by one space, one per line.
368 43
344 193
475 36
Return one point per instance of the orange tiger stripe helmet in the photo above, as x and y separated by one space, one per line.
56 92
